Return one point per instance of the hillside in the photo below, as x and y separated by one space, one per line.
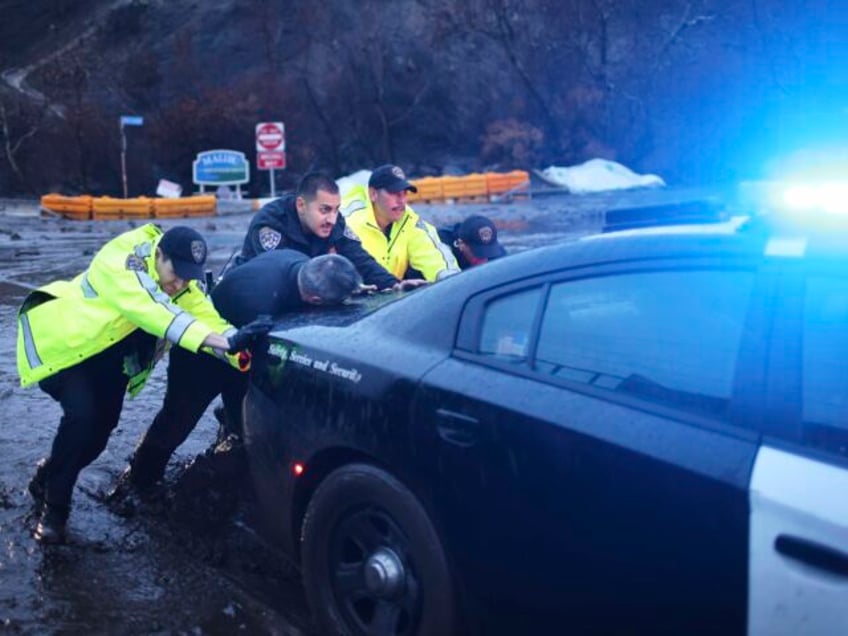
697 90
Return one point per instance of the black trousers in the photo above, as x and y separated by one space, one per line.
91 395
194 380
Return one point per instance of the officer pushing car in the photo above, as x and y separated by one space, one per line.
87 341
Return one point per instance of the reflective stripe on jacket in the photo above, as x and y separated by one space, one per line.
412 242
65 322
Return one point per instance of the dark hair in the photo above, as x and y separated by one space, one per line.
311 182
331 278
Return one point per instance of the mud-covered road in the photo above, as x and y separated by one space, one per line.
154 572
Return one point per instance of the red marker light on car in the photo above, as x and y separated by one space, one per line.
297 469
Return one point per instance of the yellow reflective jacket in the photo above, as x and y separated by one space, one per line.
412 242
65 322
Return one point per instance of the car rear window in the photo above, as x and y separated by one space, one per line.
507 325
669 337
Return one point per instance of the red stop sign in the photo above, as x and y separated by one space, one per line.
270 136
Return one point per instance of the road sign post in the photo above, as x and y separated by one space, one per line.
271 148
127 120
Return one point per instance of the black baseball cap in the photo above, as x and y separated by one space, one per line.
390 178
481 235
187 251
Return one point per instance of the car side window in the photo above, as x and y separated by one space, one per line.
669 337
825 369
507 324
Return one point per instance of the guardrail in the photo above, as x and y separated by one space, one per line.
473 187
85 207
476 187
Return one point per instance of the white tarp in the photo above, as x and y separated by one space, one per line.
360 177
597 175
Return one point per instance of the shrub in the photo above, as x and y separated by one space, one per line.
511 143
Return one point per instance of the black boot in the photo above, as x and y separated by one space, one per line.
226 427
37 485
51 525
128 485
146 469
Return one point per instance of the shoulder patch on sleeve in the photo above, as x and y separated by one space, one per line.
349 233
269 238
136 263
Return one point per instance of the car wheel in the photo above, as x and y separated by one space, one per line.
372 560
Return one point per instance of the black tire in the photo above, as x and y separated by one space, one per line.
362 522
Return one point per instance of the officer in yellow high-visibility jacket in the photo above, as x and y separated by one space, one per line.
392 232
88 341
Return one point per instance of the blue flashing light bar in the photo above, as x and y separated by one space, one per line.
829 197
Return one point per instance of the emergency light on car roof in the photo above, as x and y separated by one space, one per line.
677 213
823 197
804 207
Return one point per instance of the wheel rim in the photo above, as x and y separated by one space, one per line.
373 575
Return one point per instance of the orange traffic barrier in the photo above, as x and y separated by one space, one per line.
76 208
104 208
86 207
499 183
201 205
471 187
429 188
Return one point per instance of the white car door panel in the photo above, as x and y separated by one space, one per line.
798 581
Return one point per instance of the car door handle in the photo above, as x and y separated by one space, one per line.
456 428
814 554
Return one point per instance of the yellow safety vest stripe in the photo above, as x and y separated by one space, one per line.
66 322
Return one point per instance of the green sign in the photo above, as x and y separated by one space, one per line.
220 167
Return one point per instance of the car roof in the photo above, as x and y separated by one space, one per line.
423 313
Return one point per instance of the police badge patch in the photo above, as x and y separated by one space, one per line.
485 235
198 251
135 263
349 233
269 238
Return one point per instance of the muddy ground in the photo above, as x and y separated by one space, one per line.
154 572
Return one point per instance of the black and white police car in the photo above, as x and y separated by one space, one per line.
642 431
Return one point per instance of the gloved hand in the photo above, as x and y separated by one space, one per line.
250 333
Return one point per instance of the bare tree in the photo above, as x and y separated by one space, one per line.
84 130
275 22
17 125
524 33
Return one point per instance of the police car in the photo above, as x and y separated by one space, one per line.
641 431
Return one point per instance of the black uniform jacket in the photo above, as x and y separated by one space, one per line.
266 284
447 235
277 226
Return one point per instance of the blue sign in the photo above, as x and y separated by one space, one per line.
220 167
131 120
